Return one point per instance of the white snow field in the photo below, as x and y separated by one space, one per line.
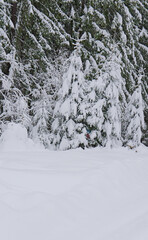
97 194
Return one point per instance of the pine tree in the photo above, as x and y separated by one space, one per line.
98 96
68 128
135 117
95 43
9 94
33 36
114 98
41 116
142 7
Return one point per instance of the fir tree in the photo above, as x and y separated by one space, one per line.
135 117
103 45
41 115
68 128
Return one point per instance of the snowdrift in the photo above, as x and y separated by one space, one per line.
15 139
97 194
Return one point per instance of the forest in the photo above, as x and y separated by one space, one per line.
74 73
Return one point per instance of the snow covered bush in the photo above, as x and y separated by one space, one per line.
15 138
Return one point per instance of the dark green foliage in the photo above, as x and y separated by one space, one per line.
38 37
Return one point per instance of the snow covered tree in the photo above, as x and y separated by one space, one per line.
114 98
30 36
8 65
41 116
124 25
103 45
143 46
93 103
69 113
135 117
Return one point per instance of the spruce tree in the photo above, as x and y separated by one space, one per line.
85 56
68 128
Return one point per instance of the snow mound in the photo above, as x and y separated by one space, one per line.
15 139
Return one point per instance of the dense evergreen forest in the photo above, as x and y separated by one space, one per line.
75 72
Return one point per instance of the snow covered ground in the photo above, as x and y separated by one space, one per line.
97 194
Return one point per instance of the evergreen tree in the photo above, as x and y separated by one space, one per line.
8 66
135 117
114 98
68 128
99 95
41 115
